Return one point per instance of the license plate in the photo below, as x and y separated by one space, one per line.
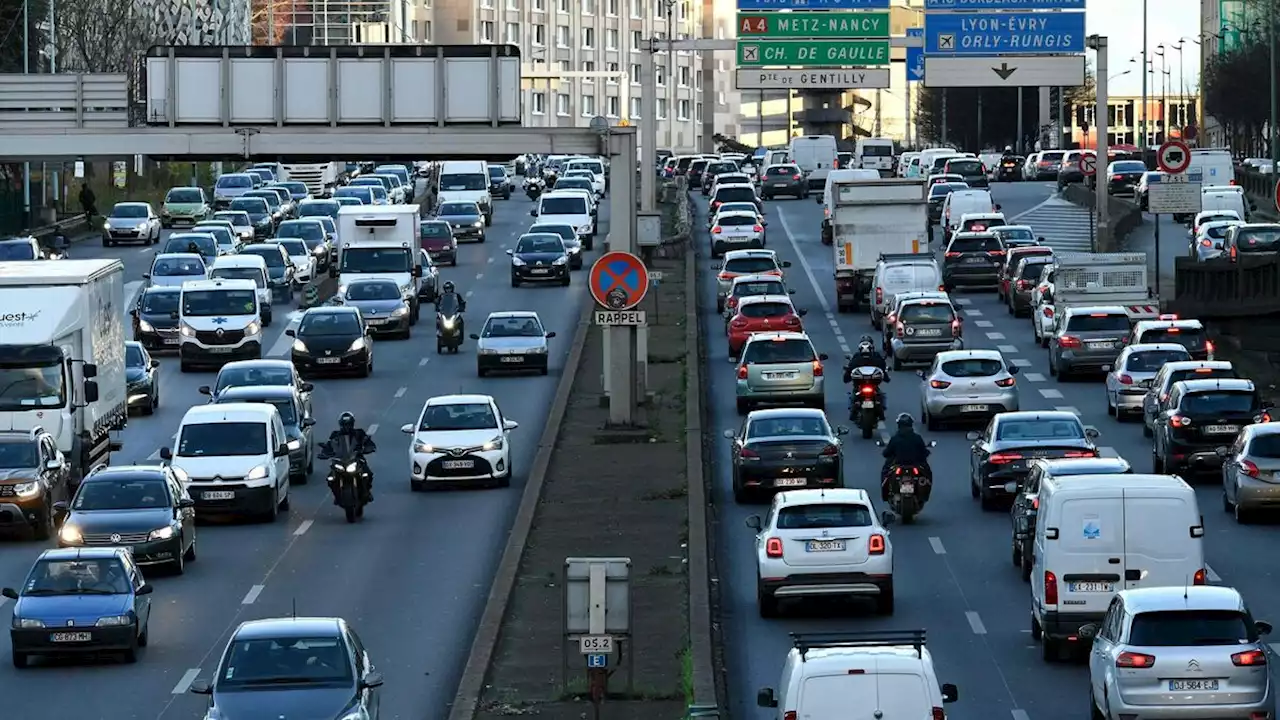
779 375
907 488
1193 684
540 271
383 321
458 464
1100 345
171 341
328 361
218 495
512 358
868 403
1091 587
973 408
62 637
929 332
218 349
778 184
975 259
825 545
1221 429
789 482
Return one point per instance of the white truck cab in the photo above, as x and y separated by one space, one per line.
875 153
569 208
382 243
466 181
218 321
247 267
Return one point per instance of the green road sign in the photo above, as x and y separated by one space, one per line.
829 24
812 53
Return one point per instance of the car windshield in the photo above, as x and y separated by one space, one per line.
737 220
184 196
376 260
1185 628
235 181
462 182
204 244
824 516
300 230
251 205
88 576
750 265
538 244
122 494
975 243
458 416
1217 217
972 367
167 267
781 170
1262 446
220 234
378 191
133 356
1099 322
721 168
1258 239
252 376
758 288
362 193
129 211
564 231
344 324
156 303
271 662
348 200
764 310
595 166
735 194
497 172
1150 361
237 219
1040 429
1016 234
767 352
1189 338
1215 402
22 454
926 312
563 206
738 207
21 250
1032 271
788 426
942 189
284 406
1201 373
294 247
239 273
459 209
505 327
964 167
222 439
213 303
1128 166
294 188
433 230
325 208
373 290
270 255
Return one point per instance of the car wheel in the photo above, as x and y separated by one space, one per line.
179 563
1243 517
515 283
44 524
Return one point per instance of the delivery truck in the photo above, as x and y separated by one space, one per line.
1093 279
870 218
381 241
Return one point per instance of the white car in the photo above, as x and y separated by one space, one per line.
175 269
822 543
1130 378
512 341
597 181
963 385
304 261
460 438
736 231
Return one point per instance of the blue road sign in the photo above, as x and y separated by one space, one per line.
597 661
618 281
1004 34
1004 4
915 57
813 4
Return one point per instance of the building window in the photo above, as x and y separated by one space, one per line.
426 31
615 106
588 38
512 34
635 73
539 5
562 36
563 6
698 79
562 104
635 8
613 68
611 39
684 36
588 66
416 32
720 98
662 108
588 7
685 74
686 11
661 74
539 35
635 109
659 10
698 111
486 31
564 66
637 41
612 8
486 3
683 108
513 4
588 105
538 103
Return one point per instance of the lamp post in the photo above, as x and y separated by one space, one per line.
1144 123
1164 108
1182 95
1275 100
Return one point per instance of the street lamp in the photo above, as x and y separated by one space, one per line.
1164 108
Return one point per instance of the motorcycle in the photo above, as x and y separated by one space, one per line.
866 407
909 488
348 477
448 332
533 187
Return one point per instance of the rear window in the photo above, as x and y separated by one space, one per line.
750 265
964 167
737 220
1259 240
1217 232
1040 430
1182 628
722 167
735 194
1190 338
941 190
758 288
764 310
980 225
1051 157
820 517
780 171
779 351
1152 360
1101 322
1032 271
926 313
972 367
1265 446
974 244
698 165
1177 376
1128 166
1008 234
1218 401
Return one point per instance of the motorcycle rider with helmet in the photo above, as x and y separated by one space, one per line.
867 356
906 448
451 303
358 438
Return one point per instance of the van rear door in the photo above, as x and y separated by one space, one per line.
1163 543
869 695
1089 558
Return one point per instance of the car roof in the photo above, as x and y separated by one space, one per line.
791 498
1176 365
738 213
1059 467
227 411
1036 415
1180 324
131 203
1004 228
1097 310
185 235
178 256
779 335
514 314
219 283
292 627
754 278
976 354
125 471
301 220
261 362
739 254
790 412
760 299
239 260
82 553
330 310
1182 597
259 245
1211 384
460 399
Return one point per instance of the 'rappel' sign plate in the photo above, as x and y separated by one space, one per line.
1174 157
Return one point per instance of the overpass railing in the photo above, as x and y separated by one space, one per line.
63 100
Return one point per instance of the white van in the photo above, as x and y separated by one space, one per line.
218 321
858 676
901 274
466 181
243 443
569 208
1214 166
1230 197
961 203
925 164
825 199
816 156
1098 534
247 267
875 154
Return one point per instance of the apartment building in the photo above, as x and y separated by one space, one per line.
1165 117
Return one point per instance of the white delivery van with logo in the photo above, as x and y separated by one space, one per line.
247 267
218 321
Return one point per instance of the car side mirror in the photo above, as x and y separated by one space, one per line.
201 687
146 276
1267 405
822 356
1013 369
1088 631
753 522
972 435
730 434
791 292
134 312
887 517
371 680
510 252
144 590
166 453
802 312
950 693
1263 627
9 593
785 263
551 334
407 429
510 424
474 336
842 430
1221 452
307 423
920 374
282 450
766 699
817 199
879 443
290 332
154 364
1041 239
186 503
533 212
54 464
1092 433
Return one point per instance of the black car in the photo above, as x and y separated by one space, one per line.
1140 191
1001 453
332 340
715 169
155 318
255 373
293 415
539 257
382 305
1026 499
145 508
293 667
142 378
735 193
464 218
969 168
972 258
297 191
1009 168
572 243
938 193
34 477
272 198
1123 176
783 449
279 268
784 180
696 170
499 182
1197 418
259 214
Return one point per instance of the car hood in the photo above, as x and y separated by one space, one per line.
160 320
259 217
174 280
134 375
458 438
120 521
437 243
228 467
330 344
375 308
288 703
512 343
65 611
17 474
183 207
116 222
539 258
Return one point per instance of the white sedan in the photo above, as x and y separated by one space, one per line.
459 439
304 261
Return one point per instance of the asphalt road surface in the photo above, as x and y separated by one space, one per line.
412 577
953 574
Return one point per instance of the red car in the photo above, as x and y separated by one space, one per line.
762 313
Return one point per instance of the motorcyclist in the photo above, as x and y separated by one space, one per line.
867 356
450 304
905 448
347 431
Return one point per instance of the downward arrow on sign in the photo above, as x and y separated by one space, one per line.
917 73
1004 71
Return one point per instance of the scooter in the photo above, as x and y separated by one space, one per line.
866 407
533 187
448 332
909 489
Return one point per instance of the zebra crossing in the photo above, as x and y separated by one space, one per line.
1065 226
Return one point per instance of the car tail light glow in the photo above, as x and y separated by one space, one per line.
1024 285
1206 243
1050 588
939 714
1135 660
789 715
742 372
1167 316
738 322
831 450
1249 658
795 177
716 230
879 295
1125 379
1006 383
758 228
1035 503
749 453
725 276
1179 421
817 368
1069 341
957 328
1048 312
793 320
1173 330
867 390
939 384
732 302
1115 178
952 255
1080 454
1002 458
1208 346
875 544
773 547
1201 577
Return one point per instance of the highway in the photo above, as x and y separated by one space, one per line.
411 578
953 574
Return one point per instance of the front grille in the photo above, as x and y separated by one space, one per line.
132 538
436 467
211 337
221 483
7 491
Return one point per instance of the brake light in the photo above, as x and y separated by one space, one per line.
1249 658
1179 421
951 255
875 544
1024 285
939 714
831 450
1069 341
867 390
1115 178
789 715
1168 316
1035 503
733 302
1231 182
1173 330
795 177
1080 454
1201 371
1002 458
1206 243
1048 312
791 320
977 227
996 253
817 368
891 319
742 372
1248 468
900 330
939 384
1201 577
716 230
879 295
1135 660
715 204
1050 588
773 547
725 276
1007 382
775 273
738 322
956 328
758 228
1125 379
748 453
1208 345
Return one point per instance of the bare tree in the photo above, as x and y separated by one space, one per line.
104 35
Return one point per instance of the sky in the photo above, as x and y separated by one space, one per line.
1167 20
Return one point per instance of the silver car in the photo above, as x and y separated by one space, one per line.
1251 471
966 385
1179 653
1131 376
745 262
922 329
514 341
174 269
1208 242
131 222
780 368
1087 339
1176 372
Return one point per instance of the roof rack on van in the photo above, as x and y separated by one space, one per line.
804 642
886 257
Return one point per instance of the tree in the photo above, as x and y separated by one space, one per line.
104 35
1230 93
12 36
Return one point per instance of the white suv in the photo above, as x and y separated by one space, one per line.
460 438
822 543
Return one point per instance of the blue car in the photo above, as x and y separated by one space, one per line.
78 601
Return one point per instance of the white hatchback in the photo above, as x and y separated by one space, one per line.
459 439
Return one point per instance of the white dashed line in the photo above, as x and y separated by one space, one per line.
1033 377
303 528
936 542
964 301
1020 362
373 428
490 259
252 596
468 293
973 312
984 323
422 362
1108 452
1068 408
479 276
975 623
400 393
1213 576
184 683
144 251
995 336
284 342
1020 714
1006 349
1052 394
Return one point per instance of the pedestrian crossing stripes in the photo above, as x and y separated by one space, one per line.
1065 226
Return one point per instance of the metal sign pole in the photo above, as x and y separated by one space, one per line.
1099 43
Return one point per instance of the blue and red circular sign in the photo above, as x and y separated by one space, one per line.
618 281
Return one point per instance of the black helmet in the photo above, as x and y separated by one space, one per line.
866 345
346 422
448 287
905 421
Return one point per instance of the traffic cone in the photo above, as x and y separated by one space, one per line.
310 296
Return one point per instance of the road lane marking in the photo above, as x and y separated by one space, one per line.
936 542
184 683
1051 393
373 428
252 596
490 259
1213 576
423 361
984 323
975 623
804 264
1020 714
1108 452
303 528
1068 408
1006 349
973 312
479 276
400 393
1020 362
964 301
1034 377
284 342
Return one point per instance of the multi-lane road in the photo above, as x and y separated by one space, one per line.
953 574
412 577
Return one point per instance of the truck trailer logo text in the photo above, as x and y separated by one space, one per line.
12 319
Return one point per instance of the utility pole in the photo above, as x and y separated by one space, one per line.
944 116
1275 99
1143 124
1100 185
26 69
1021 134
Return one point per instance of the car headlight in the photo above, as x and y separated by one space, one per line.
27 489
541 350
400 311
517 262
145 326
163 533
560 260
258 473
106 226
295 444
187 330
494 444
448 323
70 534
584 230
319 250
27 623
253 328
356 344
425 448
300 347
263 222
486 351
114 621
478 223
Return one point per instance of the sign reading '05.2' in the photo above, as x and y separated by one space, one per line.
813 53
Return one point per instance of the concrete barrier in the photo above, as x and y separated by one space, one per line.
1221 288
1125 214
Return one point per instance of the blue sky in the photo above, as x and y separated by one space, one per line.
1167 20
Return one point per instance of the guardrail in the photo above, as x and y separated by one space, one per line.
1222 288
63 100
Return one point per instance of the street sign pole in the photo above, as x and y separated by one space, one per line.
1101 199
620 341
